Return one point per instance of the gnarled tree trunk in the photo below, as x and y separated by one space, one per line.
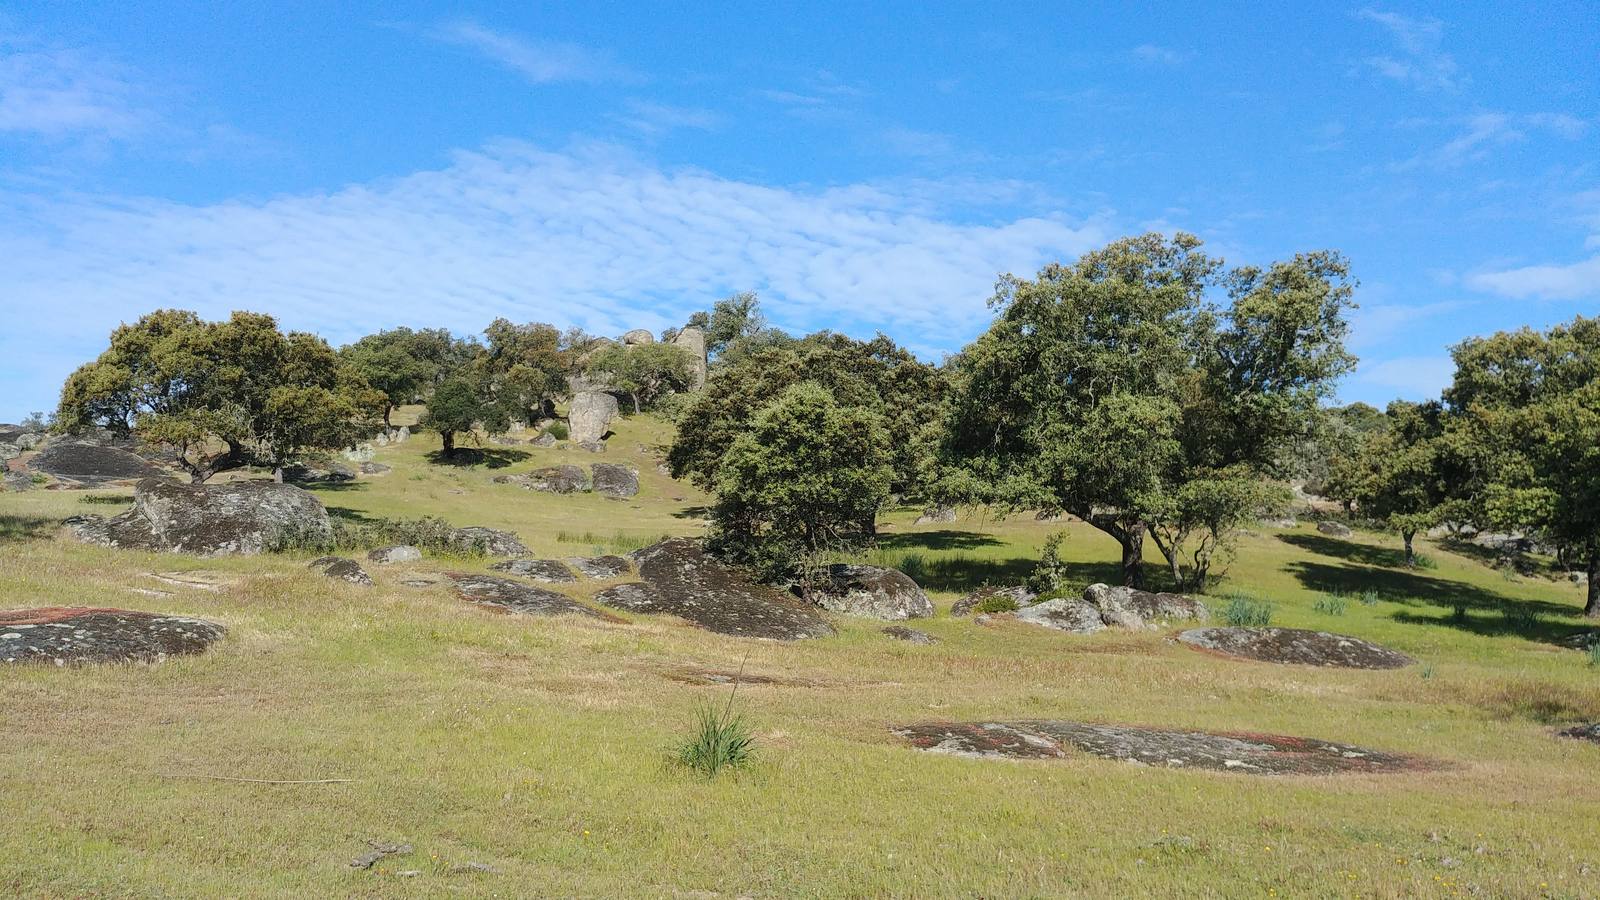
1591 607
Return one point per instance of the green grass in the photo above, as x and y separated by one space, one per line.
1328 605
536 746
1249 612
719 740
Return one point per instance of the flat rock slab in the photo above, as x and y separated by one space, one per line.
600 568
681 579
550 571
519 597
80 635
1590 732
89 464
1254 754
1296 646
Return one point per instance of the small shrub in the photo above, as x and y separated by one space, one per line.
1329 604
996 604
1427 671
1424 561
720 740
1369 597
107 499
1050 574
558 430
1245 611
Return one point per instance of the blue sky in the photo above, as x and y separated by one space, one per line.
354 166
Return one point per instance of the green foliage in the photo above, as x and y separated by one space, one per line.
720 739
1111 389
1526 417
524 367
808 476
996 604
1050 573
1594 655
1329 604
1248 612
647 373
558 430
430 534
404 364
221 393
459 404
1369 597
732 320
875 377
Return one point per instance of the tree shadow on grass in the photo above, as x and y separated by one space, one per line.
692 512
488 457
353 517
16 529
331 486
1366 554
1482 611
944 539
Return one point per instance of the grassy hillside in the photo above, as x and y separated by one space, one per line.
539 747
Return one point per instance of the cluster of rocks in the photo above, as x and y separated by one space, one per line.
566 571
870 592
16 440
510 595
679 578
609 479
74 635
1243 752
1101 606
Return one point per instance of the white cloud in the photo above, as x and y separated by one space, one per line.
1420 63
539 61
1373 324
1410 377
654 119
1575 281
1482 132
589 237
58 93
1153 54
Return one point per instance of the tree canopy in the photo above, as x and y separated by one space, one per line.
222 393
1112 389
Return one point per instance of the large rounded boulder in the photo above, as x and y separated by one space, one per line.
872 592
240 517
88 465
589 417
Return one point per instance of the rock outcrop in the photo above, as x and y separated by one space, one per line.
562 479
693 340
1063 614
342 569
79 464
872 592
910 635
77 635
681 579
1128 607
488 541
590 415
243 517
613 480
549 571
1296 646
600 568
1333 529
1019 597
519 597
638 337
936 515
399 553
1246 753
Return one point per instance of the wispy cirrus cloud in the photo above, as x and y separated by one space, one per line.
56 93
538 61
654 119
591 237
1571 281
1157 55
1479 135
1419 60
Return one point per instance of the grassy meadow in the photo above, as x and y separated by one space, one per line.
541 748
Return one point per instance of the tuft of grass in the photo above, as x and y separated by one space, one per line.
1369 597
996 605
558 430
1424 561
1246 611
1329 604
1520 618
1594 655
720 739
1427 671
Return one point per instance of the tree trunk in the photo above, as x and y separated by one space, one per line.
386 409
1411 553
635 396
1133 556
449 438
1591 607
